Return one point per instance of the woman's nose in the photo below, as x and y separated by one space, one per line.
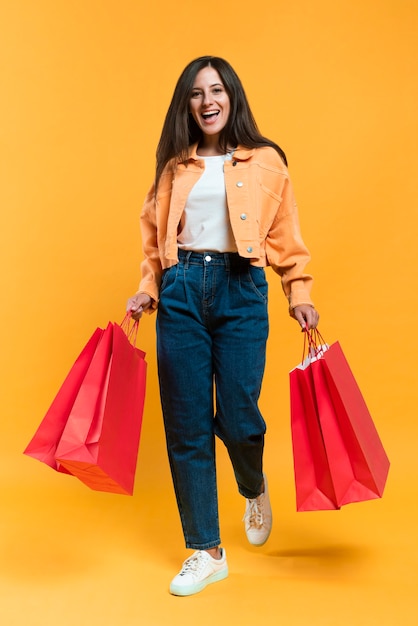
207 98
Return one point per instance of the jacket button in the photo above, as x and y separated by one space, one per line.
243 216
249 249
239 184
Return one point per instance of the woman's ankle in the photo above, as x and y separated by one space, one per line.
215 553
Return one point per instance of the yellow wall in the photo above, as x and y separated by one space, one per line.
84 88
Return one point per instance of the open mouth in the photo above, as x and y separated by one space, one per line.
210 115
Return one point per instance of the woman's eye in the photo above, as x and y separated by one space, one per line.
195 94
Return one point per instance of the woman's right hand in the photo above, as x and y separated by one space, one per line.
137 304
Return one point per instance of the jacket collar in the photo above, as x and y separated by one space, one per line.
240 154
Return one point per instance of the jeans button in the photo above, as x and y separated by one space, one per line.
208 258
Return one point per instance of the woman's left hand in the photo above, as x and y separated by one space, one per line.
306 315
139 303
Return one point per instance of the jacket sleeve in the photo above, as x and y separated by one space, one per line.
286 251
151 269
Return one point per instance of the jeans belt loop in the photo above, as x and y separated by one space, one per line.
187 259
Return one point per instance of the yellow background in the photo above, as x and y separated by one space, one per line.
84 88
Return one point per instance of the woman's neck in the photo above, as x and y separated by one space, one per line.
210 148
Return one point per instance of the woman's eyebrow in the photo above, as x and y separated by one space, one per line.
210 86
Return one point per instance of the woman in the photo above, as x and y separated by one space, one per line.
220 210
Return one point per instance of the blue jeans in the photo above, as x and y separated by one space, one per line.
212 328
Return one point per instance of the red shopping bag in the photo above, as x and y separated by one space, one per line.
100 442
355 458
358 461
313 481
84 415
45 440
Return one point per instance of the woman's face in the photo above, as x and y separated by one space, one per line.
209 103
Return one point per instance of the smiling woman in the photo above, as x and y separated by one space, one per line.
210 108
221 209
180 130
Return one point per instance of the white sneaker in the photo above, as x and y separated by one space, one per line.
199 570
258 518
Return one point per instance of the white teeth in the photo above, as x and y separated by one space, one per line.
210 114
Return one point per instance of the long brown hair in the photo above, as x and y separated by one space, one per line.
180 130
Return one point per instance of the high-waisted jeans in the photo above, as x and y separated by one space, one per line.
212 328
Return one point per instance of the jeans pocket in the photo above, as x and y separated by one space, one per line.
258 282
167 277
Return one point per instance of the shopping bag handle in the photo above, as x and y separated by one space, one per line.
130 327
313 343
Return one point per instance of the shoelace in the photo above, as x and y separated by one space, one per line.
255 513
193 564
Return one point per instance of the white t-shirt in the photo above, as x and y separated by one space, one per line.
205 224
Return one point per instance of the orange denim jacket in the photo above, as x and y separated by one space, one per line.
262 211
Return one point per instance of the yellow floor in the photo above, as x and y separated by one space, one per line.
73 556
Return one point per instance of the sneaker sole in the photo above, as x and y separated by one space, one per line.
191 589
